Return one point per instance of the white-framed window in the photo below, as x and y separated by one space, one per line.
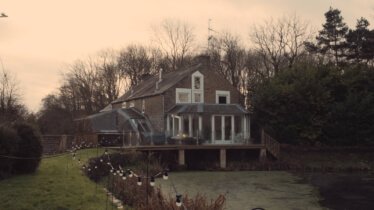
124 105
222 97
182 95
132 104
143 106
197 87
198 97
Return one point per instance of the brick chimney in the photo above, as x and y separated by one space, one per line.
202 59
159 79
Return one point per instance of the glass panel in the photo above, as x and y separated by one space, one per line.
183 97
185 125
197 83
222 99
195 125
218 127
197 97
176 126
238 124
228 128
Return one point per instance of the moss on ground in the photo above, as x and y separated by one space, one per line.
247 189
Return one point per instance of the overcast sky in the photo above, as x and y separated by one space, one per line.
41 36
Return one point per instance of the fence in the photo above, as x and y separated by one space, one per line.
53 144
271 145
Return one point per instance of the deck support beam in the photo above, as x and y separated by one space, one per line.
262 156
222 158
181 158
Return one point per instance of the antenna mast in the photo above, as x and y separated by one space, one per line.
210 36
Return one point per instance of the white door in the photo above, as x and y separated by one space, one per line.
223 129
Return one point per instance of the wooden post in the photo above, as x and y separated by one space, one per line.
62 146
213 137
222 158
262 155
232 129
262 136
181 159
199 132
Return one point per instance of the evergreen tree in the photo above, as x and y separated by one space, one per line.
360 42
331 39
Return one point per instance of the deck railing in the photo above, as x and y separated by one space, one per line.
271 145
133 139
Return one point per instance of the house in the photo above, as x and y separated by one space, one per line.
194 103
191 106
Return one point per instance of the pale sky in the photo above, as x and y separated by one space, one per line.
41 36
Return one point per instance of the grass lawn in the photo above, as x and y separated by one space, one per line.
58 184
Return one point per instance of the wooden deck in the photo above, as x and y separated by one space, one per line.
222 148
188 147
267 145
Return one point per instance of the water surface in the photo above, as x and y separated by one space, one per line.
246 190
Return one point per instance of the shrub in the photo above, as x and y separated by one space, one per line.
9 141
29 147
20 150
100 169
135 196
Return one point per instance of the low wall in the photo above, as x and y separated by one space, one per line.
53 144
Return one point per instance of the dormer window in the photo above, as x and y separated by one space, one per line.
197 83
197 87
222 97
124 105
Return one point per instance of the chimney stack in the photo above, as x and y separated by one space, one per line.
160 75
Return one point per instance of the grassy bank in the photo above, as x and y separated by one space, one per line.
58 184
329 159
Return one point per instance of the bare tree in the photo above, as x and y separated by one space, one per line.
11 108
135 62
92 84
280 42
175 39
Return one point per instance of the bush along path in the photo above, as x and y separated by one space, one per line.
58 183
136 187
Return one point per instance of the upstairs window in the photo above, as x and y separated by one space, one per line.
183 95
197 87
222 97
198 98
124 105
197 83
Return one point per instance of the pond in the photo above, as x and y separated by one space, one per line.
247 190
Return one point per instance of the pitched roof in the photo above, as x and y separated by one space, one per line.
234 109
105 122
148 86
